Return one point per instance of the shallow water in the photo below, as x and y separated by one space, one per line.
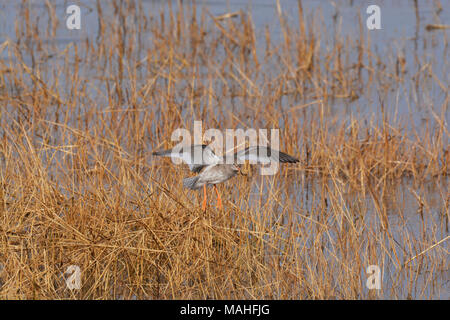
402 33
406 219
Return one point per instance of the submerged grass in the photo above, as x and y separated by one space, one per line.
79 185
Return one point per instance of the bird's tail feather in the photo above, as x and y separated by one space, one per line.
191 183
162 153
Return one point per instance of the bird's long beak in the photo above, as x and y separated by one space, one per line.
240 171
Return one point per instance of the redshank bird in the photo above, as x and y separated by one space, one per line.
213 169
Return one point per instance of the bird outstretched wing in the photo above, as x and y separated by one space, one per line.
195 156
263 155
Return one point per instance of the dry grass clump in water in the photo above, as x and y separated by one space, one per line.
78 185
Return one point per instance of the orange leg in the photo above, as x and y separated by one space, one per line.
219 199
204 198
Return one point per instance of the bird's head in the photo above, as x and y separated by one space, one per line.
237 168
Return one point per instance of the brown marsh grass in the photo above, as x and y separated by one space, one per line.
79 185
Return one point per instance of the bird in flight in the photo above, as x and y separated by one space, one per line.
212 169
